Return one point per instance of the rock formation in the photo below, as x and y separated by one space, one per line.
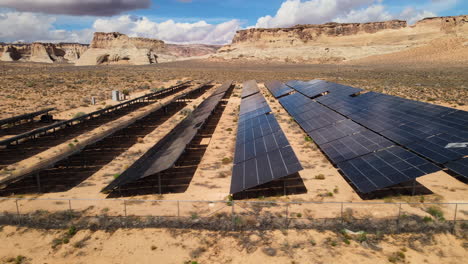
42 52
117 48
335 42
300 34
190 50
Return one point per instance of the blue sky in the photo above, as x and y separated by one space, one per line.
196 21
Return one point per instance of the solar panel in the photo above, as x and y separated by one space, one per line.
277 88
264 109
264 168
385 168
435 151
311 89
407 134
335 131
292 101
460 167
165 153
369 158
459 117
354 146
318 111
259 146
224 87
262 151
256 127
249 88
252 103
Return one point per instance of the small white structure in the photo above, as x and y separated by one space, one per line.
115 95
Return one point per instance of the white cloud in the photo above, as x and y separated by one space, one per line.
31 27
293 12
170 31
76 7
371 13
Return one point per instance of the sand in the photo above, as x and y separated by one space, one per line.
179 246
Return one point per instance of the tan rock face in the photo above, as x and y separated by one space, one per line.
305 33
336 43
117 48
42 52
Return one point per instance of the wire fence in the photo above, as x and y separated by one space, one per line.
229 215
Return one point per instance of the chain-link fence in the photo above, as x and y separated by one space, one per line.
238 215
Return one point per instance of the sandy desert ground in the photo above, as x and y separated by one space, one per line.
26 87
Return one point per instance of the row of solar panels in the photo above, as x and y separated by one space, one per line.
364 134
263 153
164 154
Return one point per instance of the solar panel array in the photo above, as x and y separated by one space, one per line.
163 155
363 133
263 153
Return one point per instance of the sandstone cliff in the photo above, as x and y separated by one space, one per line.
335 42
117 48
42 52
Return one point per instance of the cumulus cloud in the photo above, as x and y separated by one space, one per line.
76 7
293 12
170 31
29 27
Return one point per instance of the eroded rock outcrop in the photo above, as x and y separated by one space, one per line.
305 33
117 48
336 42
42 52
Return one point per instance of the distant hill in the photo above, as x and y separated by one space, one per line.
346 42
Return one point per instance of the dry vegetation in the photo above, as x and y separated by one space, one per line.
26 87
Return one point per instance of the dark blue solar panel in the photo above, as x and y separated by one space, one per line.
259 146
436 150
318 111
460 167
335 131
354 146
294 101
249 88
312 89
262 151
265 168
260 111
385 168
408 133
458 117
277 88
259 126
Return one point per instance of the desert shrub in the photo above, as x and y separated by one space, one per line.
226 160
79 114
436 212
320 177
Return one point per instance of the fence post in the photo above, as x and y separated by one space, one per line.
233 214
18 212
287 215
125 208
398 219
455 218
342 218
70 208
178 209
